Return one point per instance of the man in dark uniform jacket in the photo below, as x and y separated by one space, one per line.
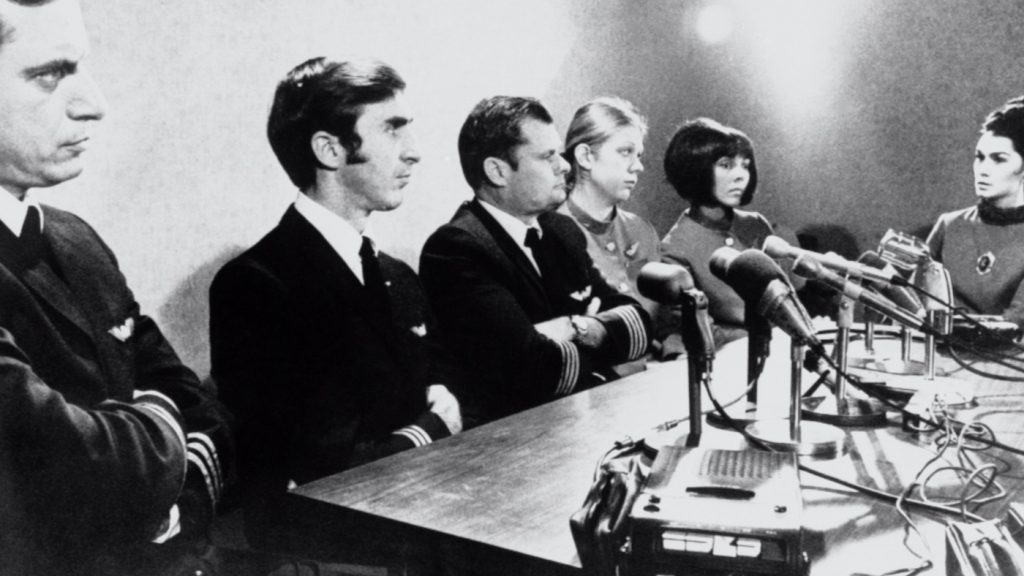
107 441
519 300
324 347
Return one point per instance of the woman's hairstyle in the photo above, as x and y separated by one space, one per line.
1008 121
595 122
691 156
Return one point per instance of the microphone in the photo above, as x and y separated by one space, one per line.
764 287
932 278
778 248
673 284
664 283
903 251
902 296
812 269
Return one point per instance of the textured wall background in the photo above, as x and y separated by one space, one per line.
863 112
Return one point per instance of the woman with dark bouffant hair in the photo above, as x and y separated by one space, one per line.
712 166
983 246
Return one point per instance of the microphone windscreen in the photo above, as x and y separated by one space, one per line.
871 258
721 260
751 272
777 247
664 283
901 296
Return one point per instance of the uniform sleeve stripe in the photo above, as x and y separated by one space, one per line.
570 368
418 435
635 327
162 413
153 395
200 450
193 458
210 452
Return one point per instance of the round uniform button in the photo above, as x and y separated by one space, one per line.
729 241
610 246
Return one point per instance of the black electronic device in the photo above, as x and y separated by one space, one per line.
707 511
986 330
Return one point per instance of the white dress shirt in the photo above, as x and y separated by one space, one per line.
515 228
343 238
13 211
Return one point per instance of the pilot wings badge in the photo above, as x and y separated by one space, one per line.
124 331
581 295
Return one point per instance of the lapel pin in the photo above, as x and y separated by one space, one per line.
124 331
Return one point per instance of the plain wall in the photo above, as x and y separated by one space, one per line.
864 113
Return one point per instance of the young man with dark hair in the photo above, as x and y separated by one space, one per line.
518 298
322 345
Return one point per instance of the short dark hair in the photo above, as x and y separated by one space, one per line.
5 31
692 153
1008 121
328 95
595 122
494 129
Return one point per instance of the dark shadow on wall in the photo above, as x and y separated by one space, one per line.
819 299
185 317
829 238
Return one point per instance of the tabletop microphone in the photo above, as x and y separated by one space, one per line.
778 248
759 281
673 284
812 269
902 296
932 278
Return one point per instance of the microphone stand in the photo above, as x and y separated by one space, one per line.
759 339
804 438
897 366
699 341
951 392
846 411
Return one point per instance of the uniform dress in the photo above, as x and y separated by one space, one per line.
982 247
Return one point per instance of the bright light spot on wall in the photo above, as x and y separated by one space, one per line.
800 46
714 24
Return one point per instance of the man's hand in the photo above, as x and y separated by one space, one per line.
558 329
443 403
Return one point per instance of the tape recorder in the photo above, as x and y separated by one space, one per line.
705 511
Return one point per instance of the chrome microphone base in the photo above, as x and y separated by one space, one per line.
889 365
853 412
815 438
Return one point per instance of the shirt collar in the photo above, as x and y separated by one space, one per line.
343 238
13 211
515 227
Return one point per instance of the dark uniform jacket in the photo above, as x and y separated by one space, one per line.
488 296
319 378
99 419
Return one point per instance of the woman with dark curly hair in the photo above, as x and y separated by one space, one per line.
983 246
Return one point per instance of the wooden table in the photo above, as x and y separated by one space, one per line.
497 499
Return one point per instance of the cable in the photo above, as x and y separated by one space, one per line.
963 313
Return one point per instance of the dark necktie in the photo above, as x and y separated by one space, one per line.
31 240
536 246
373 280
